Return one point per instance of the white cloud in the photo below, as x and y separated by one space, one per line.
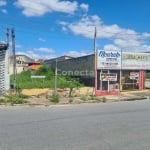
38 53
3 42
119 37
64 29
145 48
3 2
41 7
77 53
18 46
140 48
84 7
4 11
35 55
63 23
44 50
110 47
85 26
42 40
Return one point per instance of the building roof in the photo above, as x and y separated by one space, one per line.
61 58
3 46
34 67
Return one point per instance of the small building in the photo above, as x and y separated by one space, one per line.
34 66
22 62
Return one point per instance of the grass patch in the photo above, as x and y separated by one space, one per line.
2 100
84 98
54 98
13 99
24 81
70 99
104 99
95 98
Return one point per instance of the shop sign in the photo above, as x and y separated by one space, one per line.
134 75
108 76
108 59
37 77
135 60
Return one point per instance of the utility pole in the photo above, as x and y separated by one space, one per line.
120 87
95 60
14 57
7 37
55 86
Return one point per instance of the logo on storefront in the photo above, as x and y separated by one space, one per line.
109 59
111 54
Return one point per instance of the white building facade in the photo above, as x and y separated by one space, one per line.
4 69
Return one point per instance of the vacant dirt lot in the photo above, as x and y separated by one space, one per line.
80 95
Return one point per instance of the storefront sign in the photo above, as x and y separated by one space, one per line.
134 75
135 61
108 59
111 59
108 76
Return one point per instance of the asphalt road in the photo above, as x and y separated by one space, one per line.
107 126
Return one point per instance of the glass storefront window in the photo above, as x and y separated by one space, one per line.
108 80
130 80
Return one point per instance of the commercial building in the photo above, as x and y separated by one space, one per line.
81 68
109 71
117 71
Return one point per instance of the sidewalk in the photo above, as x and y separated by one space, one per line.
43 100
130 95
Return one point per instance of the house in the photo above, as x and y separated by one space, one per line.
34 66
22 62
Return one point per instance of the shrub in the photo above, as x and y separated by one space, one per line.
84 98
96 98
54 98
2 100
14 99
148 75
92 97
70 99
104 99
24 81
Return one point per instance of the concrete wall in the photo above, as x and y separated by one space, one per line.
81 68
82 65
4 71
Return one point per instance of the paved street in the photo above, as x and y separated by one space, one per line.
105 126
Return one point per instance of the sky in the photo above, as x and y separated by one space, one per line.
46 29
